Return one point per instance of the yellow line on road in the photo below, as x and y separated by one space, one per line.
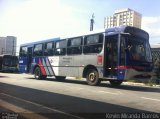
23 112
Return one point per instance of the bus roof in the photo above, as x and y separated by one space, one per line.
6 55
114 30
42 41
128 29
83 34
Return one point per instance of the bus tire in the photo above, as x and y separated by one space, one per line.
38 74
115 82
60 78
92 77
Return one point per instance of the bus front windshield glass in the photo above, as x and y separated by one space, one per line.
139 49
7 61
10 61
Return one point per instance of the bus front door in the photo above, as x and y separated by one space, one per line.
29 58
111 56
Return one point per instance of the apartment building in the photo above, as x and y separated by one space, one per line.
123 17
8 45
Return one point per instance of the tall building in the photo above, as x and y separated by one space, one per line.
8 45
123 17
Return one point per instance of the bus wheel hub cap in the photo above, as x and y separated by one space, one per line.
91 76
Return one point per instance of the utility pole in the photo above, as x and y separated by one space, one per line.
92 22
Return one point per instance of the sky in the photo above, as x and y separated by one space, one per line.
34 20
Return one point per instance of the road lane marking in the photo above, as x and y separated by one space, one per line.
151 99
55 110
24 112
108 92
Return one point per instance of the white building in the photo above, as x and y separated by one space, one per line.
123 17
8 45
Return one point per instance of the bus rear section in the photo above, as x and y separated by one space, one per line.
8 63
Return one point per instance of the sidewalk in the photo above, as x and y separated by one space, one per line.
140 84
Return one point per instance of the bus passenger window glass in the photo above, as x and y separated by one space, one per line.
74 50
38 50
48 51
61 44
57 45
92 39
60 48
61 51
49 45
74 46
92 48
23 51
93 44
38 47
76 41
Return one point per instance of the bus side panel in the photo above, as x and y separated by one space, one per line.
90 59
68 66
54 63
40 62
137 75
74 65
23 64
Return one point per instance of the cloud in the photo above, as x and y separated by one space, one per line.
152 26
38 20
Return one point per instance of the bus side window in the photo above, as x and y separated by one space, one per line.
49 49
23 51
93 44
38 50
74 46
60 48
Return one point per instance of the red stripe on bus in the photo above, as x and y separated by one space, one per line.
41 67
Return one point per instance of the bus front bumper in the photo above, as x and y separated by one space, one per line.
132 74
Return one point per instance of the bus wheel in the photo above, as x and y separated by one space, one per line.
38 74
115 82
60 78
92 77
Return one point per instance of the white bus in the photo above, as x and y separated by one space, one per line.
114 54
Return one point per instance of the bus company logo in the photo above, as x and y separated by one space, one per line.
51 61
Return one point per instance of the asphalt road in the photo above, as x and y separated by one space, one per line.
24 97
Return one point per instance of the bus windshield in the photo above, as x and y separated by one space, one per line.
139 49
10 61
7 61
